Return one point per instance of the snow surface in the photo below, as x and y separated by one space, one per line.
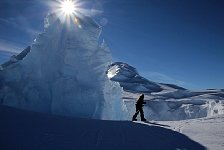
28 130
207 131
165 101
63 72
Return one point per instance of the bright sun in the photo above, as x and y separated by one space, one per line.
68 7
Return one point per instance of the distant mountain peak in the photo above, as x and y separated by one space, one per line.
130 80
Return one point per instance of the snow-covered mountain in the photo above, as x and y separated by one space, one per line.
165 101
130 80
63 72
15 58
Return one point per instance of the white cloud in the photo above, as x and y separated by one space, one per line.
5 20
162 78
11 47
21 23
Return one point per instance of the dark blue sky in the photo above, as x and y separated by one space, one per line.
173 41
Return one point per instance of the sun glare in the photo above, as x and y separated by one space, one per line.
68 7
71 11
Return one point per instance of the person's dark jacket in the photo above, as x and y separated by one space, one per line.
140 102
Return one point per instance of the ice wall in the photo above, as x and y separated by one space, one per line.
64 73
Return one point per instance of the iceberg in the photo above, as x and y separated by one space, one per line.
64 73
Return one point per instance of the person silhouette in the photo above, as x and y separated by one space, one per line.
138 106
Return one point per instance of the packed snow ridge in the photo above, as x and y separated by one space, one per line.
165 101
63 72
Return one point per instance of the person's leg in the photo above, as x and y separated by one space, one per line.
135 115
142 115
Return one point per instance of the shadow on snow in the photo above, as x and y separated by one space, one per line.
27 130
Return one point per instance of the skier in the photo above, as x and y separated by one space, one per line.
138 107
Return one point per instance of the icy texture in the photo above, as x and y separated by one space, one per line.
64 73
165 101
